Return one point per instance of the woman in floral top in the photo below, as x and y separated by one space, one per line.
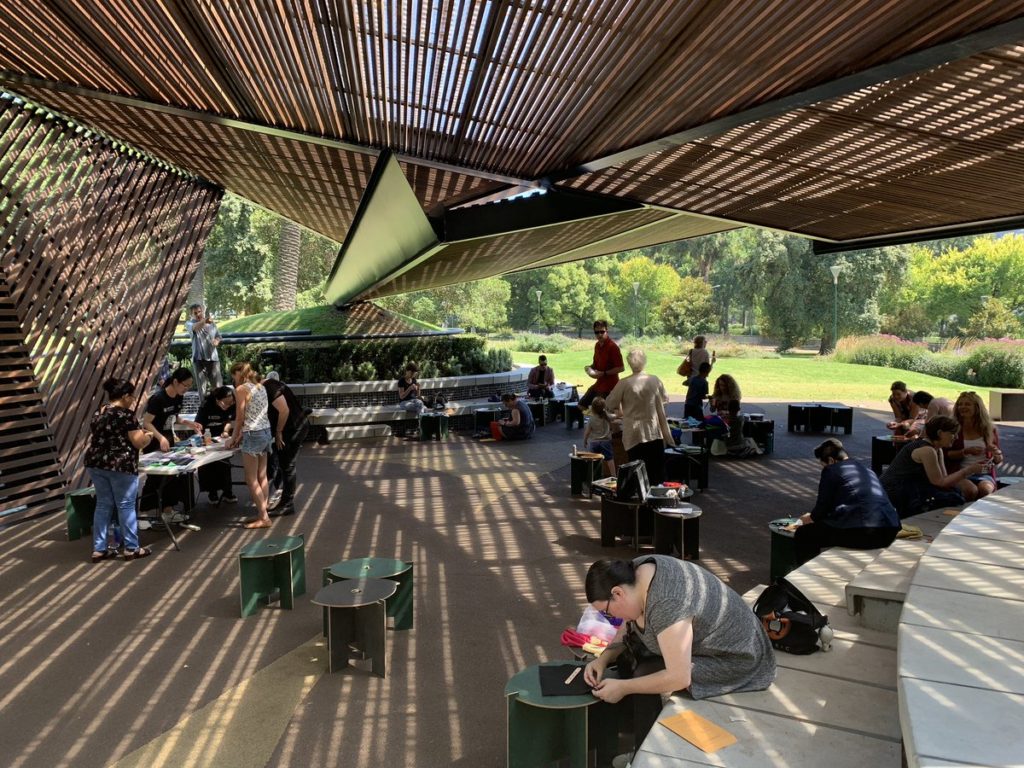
116 437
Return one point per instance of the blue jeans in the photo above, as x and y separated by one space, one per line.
114 490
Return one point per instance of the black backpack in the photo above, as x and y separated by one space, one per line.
792 622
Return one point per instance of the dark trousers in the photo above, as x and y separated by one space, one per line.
590 394
174 490
809 540
216 477
282 473
693 411
652 454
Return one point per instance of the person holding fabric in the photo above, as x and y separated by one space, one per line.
700 635
978 438
162 413
641 399
519 425
851 510
541 380
217 414
205 340
289 425
605 368
112 460
251 431
901 401
917 480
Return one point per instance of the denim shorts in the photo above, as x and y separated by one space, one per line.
981 478
604 447
256 442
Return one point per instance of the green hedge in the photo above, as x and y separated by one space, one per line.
987 363
364 360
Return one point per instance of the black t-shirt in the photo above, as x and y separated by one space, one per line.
295 411
164 410
403 384
213 417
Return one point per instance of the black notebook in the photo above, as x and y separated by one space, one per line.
552 681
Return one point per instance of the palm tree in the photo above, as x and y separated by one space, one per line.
286 275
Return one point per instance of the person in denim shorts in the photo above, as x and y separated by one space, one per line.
252 432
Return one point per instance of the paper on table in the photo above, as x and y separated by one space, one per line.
699 731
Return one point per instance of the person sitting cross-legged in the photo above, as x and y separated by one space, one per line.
852 509
519 425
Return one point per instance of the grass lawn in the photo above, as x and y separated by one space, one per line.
795 378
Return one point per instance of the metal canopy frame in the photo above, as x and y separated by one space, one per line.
846 123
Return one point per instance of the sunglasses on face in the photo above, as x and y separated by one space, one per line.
599 332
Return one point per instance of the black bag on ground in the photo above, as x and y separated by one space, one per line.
792 622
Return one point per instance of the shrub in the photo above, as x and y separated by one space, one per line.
996 365
884 351
535 342
366 371
359 359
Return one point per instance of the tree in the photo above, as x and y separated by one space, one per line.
286 269
690 312
993 320
239 254
567 298
639 290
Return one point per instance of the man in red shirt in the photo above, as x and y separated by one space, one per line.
606 367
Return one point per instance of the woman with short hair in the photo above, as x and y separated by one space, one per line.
112 460
698 633
640 399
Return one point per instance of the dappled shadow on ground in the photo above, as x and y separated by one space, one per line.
98 660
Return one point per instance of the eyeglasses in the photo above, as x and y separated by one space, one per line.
599 331
607 607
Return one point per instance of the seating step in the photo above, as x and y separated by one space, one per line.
335 434
877 593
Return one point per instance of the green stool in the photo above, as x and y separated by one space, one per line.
399 605
433 425
79 510
545 729
271 565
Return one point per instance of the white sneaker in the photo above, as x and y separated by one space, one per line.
623 760
177 517
145 525
275 498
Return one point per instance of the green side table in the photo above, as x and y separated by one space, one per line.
268 566
546 729
584 469
356 622
433 425
79 510
399 606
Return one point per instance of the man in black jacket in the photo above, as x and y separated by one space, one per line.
289 423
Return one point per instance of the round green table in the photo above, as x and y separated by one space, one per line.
544 729
356 622
271 565
399 606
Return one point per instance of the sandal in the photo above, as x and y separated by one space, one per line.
137 554
98 557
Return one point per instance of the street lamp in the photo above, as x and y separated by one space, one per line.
636 299
835 269
540 316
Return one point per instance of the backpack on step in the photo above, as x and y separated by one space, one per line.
792 622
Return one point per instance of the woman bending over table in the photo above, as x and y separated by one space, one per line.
703 637
112 459
252 432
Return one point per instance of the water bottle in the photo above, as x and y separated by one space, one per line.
207 437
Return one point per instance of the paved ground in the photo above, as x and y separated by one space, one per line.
148 663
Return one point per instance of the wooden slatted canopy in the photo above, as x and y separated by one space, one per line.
839 120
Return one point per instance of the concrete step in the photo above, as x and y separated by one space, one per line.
337 434
876 594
